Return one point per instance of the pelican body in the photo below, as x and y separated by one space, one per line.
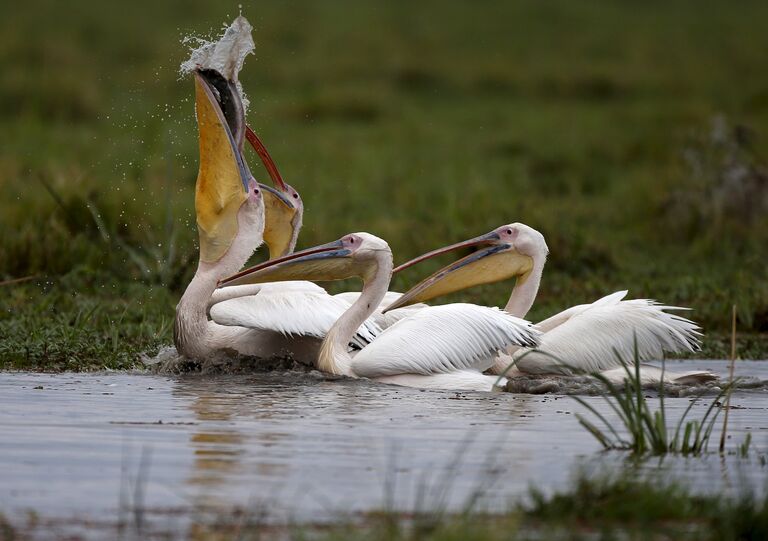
445 347
595 337
231 220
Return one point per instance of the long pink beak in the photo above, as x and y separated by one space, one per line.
482 240
266 159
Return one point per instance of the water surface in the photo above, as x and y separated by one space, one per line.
302 447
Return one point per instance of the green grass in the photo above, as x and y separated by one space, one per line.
595 122
648 432
626 508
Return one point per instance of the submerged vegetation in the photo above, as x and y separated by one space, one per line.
634 136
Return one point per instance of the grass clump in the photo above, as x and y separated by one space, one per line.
628 508
53 327
648 431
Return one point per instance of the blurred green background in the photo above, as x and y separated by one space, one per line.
633 135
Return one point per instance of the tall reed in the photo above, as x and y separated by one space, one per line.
648 431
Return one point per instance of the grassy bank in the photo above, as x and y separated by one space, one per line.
634 137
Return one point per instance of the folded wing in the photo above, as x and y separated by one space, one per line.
443 339
594 336
291 311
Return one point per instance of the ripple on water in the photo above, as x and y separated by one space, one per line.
305 445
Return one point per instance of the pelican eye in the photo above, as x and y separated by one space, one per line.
508 231
295 196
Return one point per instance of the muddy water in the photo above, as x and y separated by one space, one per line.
303 447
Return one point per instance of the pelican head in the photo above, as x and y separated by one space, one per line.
283 205
224 184
506 252
353 255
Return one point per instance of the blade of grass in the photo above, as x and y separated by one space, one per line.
733 361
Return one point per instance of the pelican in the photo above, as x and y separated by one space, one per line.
585 338
296 308
284 212
294 315
443 347
230 210
263 306
283 224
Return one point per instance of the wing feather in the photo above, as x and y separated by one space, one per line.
558 319
591 339
291 311
442 339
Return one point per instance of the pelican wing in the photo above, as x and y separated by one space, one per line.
385 321
443 339
593 338
290 310
560 318
247 290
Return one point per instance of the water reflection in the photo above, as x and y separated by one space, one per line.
304 435
219 445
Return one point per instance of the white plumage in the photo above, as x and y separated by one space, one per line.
442 339
352 296
384 320
232 292
596 337
461 380
290 308
439 347
593 337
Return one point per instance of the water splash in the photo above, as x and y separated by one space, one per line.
169 361
226 55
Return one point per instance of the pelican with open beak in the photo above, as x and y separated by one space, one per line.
584 338
230 212
444 347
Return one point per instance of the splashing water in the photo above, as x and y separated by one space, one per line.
226 55
169 361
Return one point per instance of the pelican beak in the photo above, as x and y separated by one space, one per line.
266 159
326 262
222 180
282 221
493 262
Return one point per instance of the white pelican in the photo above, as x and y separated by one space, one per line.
229 206
445 347
295 315
587 337
283 224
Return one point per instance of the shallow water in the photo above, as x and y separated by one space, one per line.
303 447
